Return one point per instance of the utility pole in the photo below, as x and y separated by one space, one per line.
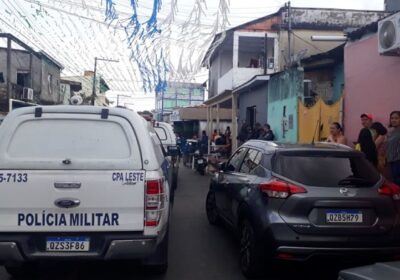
162 105
9 94
289 13
94 76
265 53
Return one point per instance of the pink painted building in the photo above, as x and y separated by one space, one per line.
372 81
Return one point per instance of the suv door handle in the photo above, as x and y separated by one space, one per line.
67 202
67 185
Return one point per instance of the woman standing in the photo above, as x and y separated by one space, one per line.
367 146
393 147
380 139
336 134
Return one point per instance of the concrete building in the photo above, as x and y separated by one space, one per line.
242 59
392 5
178 95
191 121
26 74
372 80
86 91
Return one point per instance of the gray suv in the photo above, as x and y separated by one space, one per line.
297 202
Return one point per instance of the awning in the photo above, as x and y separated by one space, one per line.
256 81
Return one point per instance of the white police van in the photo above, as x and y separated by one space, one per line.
81 182
167 137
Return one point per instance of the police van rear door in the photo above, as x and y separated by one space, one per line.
70 172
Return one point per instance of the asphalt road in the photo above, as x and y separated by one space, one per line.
197 250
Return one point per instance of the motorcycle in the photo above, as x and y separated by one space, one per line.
200 162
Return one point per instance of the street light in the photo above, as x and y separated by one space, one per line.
94 75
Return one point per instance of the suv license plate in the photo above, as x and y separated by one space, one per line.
344 216
67 244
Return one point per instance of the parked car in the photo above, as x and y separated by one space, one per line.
167 136
81 182
296 202
378 271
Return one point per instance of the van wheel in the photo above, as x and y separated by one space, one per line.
251 258
21 271
211 209
158 262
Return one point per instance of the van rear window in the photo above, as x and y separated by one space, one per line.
327 170
161 133
49 139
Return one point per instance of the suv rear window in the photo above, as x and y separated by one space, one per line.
49 139
327 170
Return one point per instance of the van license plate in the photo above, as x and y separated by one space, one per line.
67 244
344 216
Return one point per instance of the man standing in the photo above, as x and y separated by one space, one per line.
366 121
257 131
267 133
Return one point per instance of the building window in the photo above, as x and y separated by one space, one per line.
254 50
1 77
23 78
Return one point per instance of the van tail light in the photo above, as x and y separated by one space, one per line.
154 202
390 189
280 189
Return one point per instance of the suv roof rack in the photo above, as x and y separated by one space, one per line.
335 145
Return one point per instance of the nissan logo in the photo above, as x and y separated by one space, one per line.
344 191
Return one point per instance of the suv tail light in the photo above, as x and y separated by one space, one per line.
154 202
390 189
280 189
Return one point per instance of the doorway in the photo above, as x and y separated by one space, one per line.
251 116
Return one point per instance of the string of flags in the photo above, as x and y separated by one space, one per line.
157 43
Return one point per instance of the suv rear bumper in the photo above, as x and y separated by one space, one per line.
110 246
305 253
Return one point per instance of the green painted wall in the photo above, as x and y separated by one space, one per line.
283 91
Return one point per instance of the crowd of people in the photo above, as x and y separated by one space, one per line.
380 145
258 132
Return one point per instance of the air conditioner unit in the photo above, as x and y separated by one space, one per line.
389 35
27 93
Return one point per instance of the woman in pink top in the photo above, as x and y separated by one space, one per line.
380 139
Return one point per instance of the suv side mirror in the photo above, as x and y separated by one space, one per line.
173 151
222 166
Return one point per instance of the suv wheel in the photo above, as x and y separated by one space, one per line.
251 258
211 209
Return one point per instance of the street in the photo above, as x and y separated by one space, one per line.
197 250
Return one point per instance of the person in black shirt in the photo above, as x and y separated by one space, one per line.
368 146
268 134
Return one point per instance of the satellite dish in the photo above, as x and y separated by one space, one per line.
387 35
76 100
